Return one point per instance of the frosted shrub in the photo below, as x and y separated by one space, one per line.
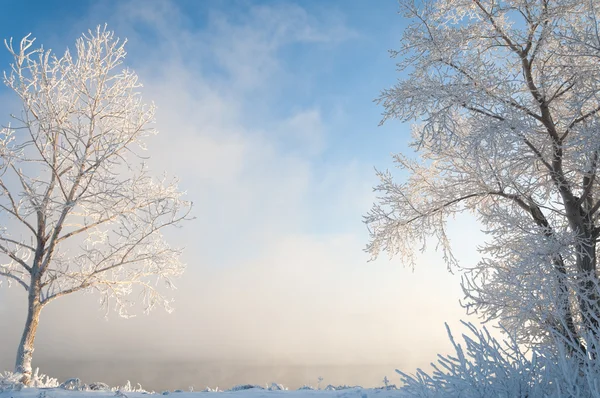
129 388
98 386
331 387
485 367
10 381
71 384
241 387
276 387
42 380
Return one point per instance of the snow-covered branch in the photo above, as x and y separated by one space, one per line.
504 96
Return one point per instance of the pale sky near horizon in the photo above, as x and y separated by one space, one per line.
265 111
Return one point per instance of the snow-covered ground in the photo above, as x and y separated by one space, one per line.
49 387
248 393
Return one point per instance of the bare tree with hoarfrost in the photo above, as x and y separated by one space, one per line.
506 99
80 211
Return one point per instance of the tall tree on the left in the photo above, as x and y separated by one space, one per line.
78 209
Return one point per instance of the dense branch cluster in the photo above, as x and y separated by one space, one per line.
80 210
506 96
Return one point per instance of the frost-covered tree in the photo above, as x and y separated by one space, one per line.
505 95
79 210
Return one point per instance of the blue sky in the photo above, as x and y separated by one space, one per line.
266 113
347 72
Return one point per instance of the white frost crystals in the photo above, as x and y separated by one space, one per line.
506 94
80 210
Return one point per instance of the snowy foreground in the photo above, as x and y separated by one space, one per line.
248 393
44 386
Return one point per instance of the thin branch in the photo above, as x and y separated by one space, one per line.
16 279
15 258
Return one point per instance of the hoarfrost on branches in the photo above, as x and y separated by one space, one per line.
81 210
505 99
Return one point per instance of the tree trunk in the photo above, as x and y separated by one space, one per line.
566 329
25 351
589 300
586 264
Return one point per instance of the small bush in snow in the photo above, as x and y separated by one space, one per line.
129 388
43 381
276 387
340 387
10 381
245 387
485 367
98 386
305 387
71 384
388 387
